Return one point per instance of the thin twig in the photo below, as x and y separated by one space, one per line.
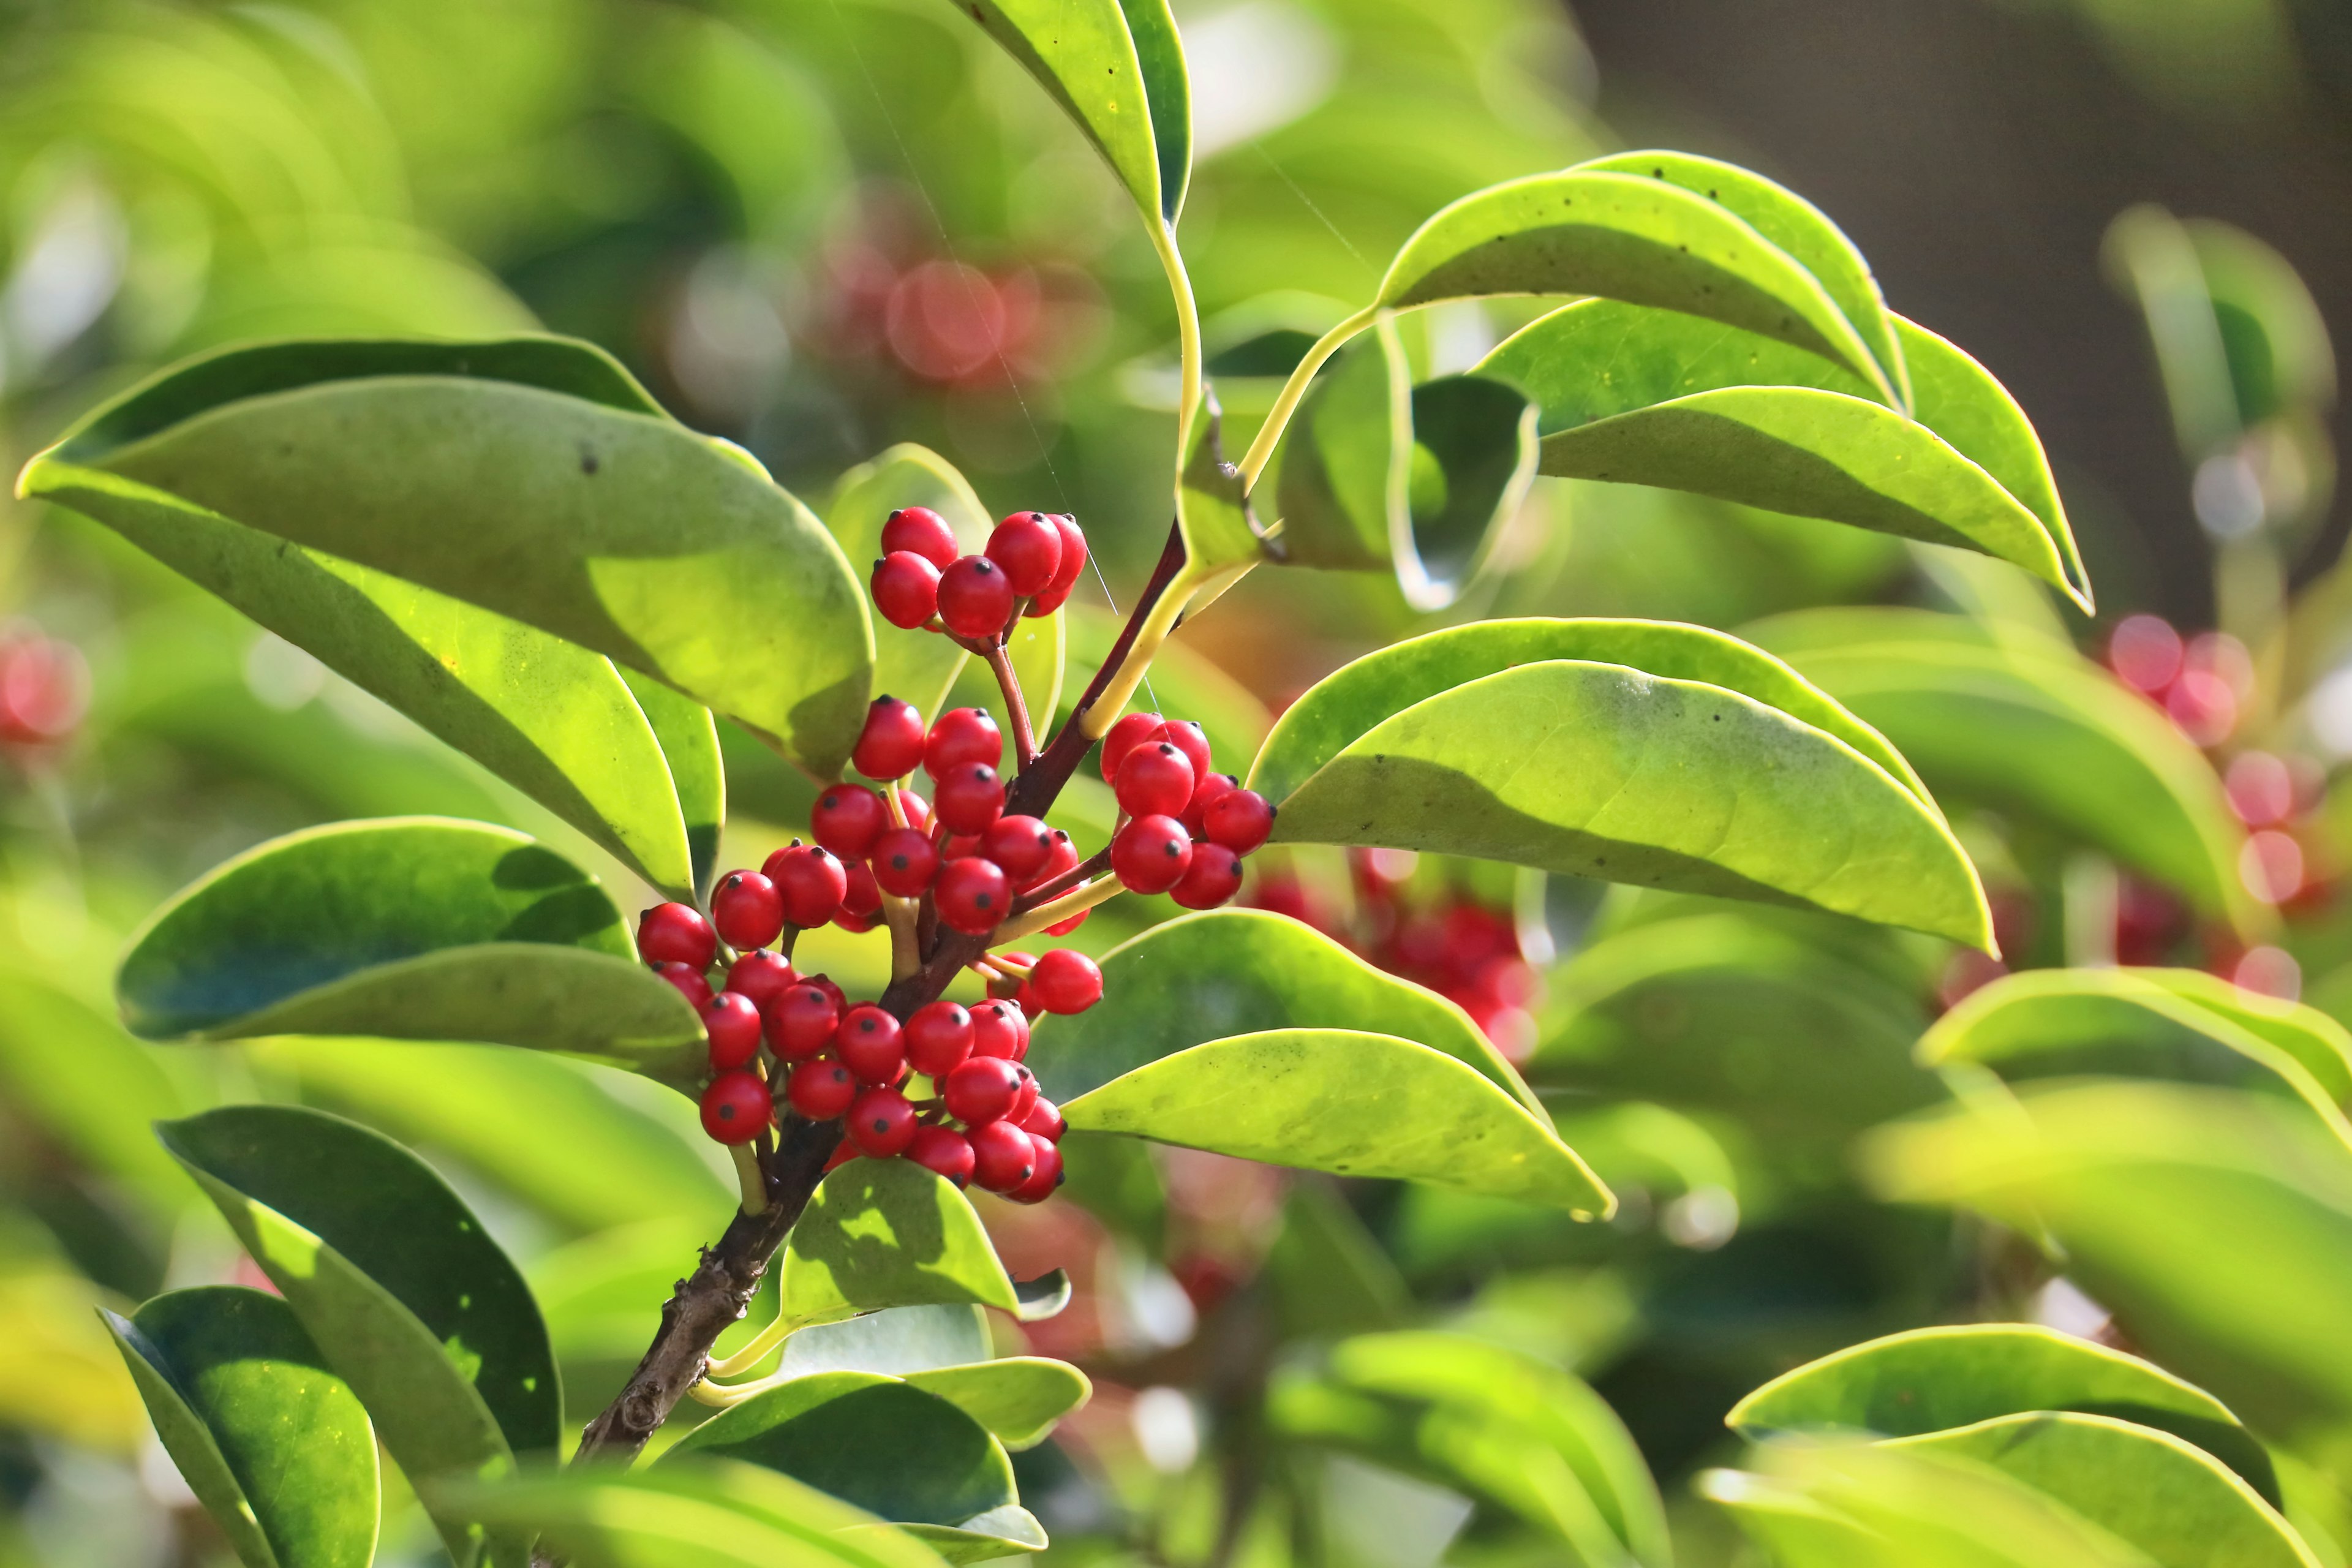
1024 741
1046 892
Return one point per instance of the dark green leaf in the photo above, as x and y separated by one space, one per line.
889 1233
1213 511
1329 1274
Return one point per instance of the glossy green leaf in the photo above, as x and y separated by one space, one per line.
2046 735
416 928
1929 1380
900 1340
274 1445
1349 1102
1213 509
1020 1399
72 1072
990 1537
2320 1044
1220 973
1629 238
1342 707
1606 771
689 745
2170 1498
404 1292
593 517
889 1233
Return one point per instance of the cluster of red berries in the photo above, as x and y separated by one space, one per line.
1032 562
2200 682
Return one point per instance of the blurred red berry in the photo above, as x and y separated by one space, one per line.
44 689
2144 651
2262 788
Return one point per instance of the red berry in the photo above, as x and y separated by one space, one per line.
1044 1179
936 1039
999 1030
847 819
1156 780
1021 845
1124 737
820 1089
1212 788
1214 877
891 744
915 809
904 862
961 847
923 532
843 1152
975 598
981 1088
802 1022
1065 576
863 899
1068 926
969 799
747 909
944 1151
1025 998
733 1024
735 1108
906 589
811 881
961 737
1151 854
1189 738
973 895
762 976
1045 1120
882 1122
1024 1098
676 933
1029 548
868 1043
1239 819
1063 859
1067 981
690 983
1002 1156
825 983
1004 987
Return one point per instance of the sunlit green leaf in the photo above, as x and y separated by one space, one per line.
74 1073
689 745
1020 1399
889 1233
1189 685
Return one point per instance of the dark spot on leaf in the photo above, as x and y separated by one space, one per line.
587 461
1658 173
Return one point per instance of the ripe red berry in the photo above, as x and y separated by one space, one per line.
1068 926
811 881
961 847
981 1088
802 1022
925 532
862 901
1239 819
1156 780
1067 981
820 1089
868 1043
847 819
1189 738
1003 987
825 983
975 598
1045 1120
916 810
735 1108
690 983
943 1150
999 1030
906 589
1029 548
1151 854
1065 576
747 909
676 933
1044 1179
1211 789
959 737
904 862
733 1024
1124 737
1002 1156
936 1038
973 895
881 1122
843 1152
1021 845
1214 877
1025 1097
1064 858
760 975
969 799
891 744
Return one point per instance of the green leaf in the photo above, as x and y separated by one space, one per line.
1643 396
1189 683
72 1072
274 1445
2321 1045
2045 734
689 746
1020 1399
1602 770
2170 1498
408 1297
889 1233
1220 973
1929 1380
1213 510
1329 1273
481 471
900 1340
1349 1102
985 1538
1623 236
416 928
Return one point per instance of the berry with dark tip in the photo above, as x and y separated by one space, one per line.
1025 1097
811 879
1002 1156
1065 576
802 1022
825 983
735 1108
1187 736
972 895
862 899
847 819
1151 854
1029 548
975 598
944 1151
881 1122
762 976
868 1043
936 1038
904 862
1067 981
961 737
676 933
1239 819
1064 858
1044 1178
1214 877
891 744
906 589
998 1029
690 983
747 909
1156 780
1020 845
924 532
1212 787
820 1089
981 1088
1045 1120
969 799
1124 737
733 1024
